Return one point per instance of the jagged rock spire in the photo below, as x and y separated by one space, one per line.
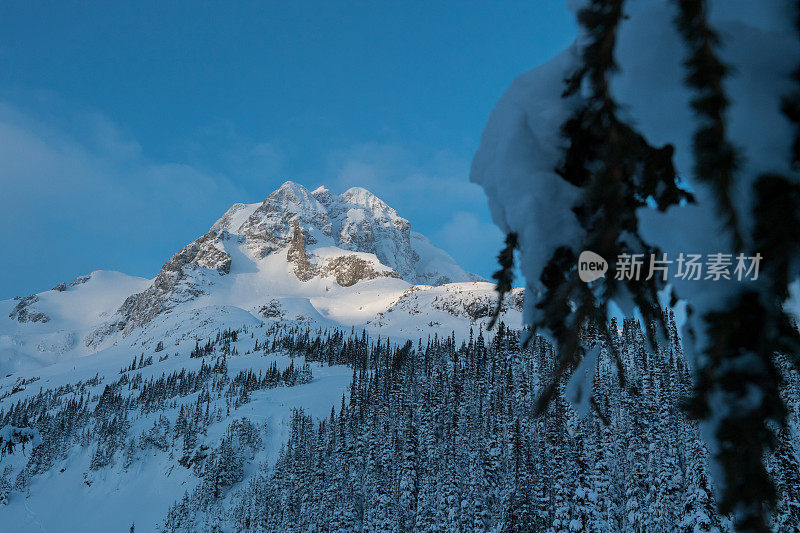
297 255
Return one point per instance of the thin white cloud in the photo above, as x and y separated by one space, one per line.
405 177
476 240
88 198
84 192
42 165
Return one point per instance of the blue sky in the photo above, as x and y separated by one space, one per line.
126 129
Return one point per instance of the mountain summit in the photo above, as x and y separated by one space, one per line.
356 221
350 237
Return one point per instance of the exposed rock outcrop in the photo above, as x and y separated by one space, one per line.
25 312
297 256
181 279
269 228
80 280
350 269
347 269
206 252
362 222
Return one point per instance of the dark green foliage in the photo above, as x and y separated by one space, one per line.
739 366
434 436
504 276
446 441
777 233
716 159
752 327
619 172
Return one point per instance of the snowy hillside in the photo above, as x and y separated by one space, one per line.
76 489
214 420
40 328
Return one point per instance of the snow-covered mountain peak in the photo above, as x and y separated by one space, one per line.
356 220
234 217
292 242
362 197
293 198
269 228
308 256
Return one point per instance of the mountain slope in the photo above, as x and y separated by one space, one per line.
40 328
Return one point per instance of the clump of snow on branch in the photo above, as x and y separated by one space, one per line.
522 143
515 164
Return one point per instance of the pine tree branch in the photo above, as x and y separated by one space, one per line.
504 276
618 172
743 338
716 158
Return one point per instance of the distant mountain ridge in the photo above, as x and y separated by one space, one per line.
155 382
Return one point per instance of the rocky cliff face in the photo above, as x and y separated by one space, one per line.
24 311
297 255
360 221
181 279
348 270
269 227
